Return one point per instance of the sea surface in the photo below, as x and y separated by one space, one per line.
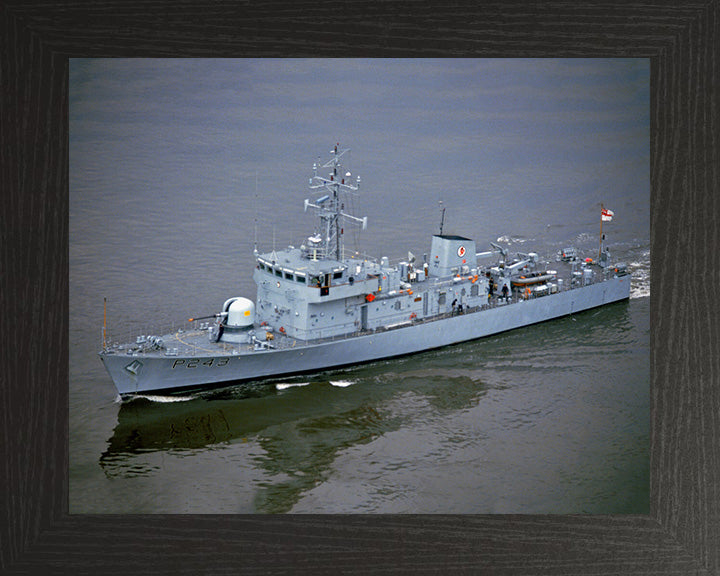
178 168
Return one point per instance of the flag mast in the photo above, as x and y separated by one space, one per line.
602 208
604 215
104 323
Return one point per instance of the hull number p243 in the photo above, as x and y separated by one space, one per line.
195 362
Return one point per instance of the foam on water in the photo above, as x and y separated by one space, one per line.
286 385
162 399
640 287
342 383
640 270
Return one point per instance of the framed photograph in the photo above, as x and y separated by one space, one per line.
149 516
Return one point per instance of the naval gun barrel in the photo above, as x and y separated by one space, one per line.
203 317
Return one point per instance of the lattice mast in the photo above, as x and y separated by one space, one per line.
330 207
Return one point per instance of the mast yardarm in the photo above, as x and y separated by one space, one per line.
328 242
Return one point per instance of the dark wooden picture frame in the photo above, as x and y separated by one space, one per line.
681 535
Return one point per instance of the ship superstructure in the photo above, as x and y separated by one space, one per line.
317 308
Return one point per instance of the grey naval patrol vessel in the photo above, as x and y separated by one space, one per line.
317 309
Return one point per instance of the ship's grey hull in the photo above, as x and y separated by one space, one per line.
173 374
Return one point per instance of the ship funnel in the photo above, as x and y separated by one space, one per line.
449 253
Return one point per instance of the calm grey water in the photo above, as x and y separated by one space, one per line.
178 166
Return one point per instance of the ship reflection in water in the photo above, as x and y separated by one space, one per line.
291 431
